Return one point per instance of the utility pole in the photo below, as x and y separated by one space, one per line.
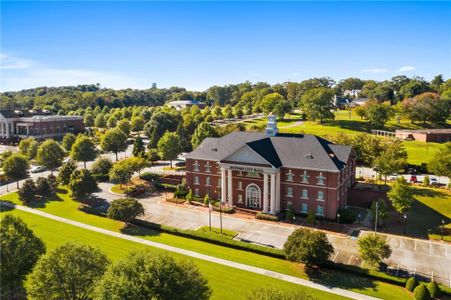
220 214
377 213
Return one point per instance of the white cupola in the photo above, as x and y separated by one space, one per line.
271 126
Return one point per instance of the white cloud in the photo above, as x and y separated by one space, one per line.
407 69
18 73
375 70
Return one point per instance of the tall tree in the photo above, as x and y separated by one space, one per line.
15 167
203 131
114 140
121 172
66 171
378 115
169 146
24 145
50 155
152 275
392 159
20 250
125 209
124 125
373 249
317 104
100 121
138 147
68 141
81 184
83 150
401 195
137 124
68 272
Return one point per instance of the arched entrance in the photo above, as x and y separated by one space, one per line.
253 196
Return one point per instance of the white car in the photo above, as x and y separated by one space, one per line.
37 169
433 181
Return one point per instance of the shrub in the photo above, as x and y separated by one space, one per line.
53 182
289 215
189 197
268 217
311 218
411 283
151 177
65 172
433 289
206 199
347 216
152 154
181 191
102 165
421 293
42 186
125 209
426 181
27 192
308 246
82 183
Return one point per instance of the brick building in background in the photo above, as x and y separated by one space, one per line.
269 172
39 124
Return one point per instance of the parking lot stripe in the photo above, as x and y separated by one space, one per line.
415 248
400 244
349 261
335 256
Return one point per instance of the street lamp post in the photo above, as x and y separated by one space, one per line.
338 221
377 213
443 228
405 223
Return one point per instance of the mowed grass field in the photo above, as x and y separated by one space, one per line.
63 206
226 282
352 124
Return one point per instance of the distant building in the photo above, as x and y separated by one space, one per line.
181 104
272 172
359 101
425 135
40 124
341 102
352 93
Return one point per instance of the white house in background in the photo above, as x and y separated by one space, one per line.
181 104
352 93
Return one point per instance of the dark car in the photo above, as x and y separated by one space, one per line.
413 178
180 164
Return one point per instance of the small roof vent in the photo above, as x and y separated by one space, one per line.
214 149
19 112
310 156
332 155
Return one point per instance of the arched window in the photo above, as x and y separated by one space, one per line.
253 196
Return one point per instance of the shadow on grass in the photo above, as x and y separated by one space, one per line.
5 207
42 202
424 192
94 205
423 220
140 231
349 124
333 278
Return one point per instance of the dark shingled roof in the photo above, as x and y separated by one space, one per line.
288 150
11 113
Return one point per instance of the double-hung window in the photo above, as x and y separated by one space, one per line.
289 192
196 166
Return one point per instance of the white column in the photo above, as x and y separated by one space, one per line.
272 209
7 130
265 193
278 192
229 187
223 185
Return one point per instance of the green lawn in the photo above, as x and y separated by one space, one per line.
118 189
226 282
63 206
431 206
418 152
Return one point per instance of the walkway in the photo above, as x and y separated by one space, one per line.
252 269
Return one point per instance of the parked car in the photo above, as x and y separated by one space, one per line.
37 169
393 177
411 171
180 164
433 181
413 178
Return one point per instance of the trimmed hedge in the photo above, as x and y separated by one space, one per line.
268 217
214 239
411 283
421 293
433 289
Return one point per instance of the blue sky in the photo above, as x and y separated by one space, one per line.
199 44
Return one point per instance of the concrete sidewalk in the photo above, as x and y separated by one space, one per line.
228 263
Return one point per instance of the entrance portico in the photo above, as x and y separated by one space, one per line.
270 193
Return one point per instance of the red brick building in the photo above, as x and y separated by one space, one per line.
39 124
272 171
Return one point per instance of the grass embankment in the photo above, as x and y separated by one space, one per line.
226 282
63 206
351 124
431 206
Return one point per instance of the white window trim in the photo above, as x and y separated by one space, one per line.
196 166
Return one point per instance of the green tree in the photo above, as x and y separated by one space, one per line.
317 104
124 125
137 124
227 112
392 159
121 173
33 150
15 167
53 182
114 140
20 250
66 171
88 119
153 275
43 186
111 122
68 141
138 147
102 165
125 209
169 146
308 246
83 150
203 131
69 272
81 184
24 145
27 193
373 249
401 195
50 155
378 115
440 164
100 121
